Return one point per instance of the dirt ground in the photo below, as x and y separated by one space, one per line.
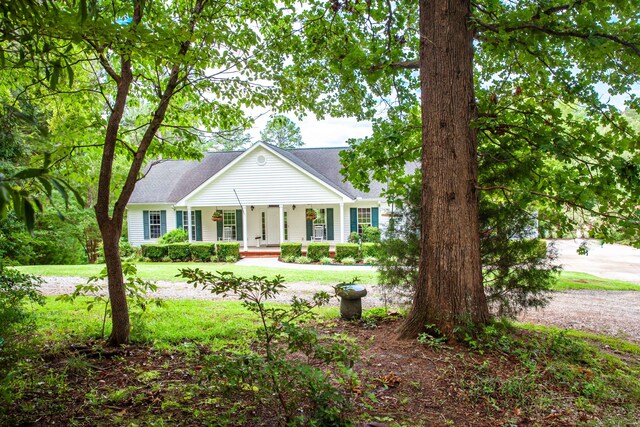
611 312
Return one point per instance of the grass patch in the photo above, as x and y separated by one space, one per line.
611 342
179 323
573 280
215 323
169 270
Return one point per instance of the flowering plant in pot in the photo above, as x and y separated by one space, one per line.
217 216
311 214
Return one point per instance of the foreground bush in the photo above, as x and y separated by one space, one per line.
317 251
290 250
17 292
347 250
300 391
202 251
370 249
226 251
179 251
174 236
154 252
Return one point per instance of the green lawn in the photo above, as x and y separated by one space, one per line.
169 271
574 280
180 323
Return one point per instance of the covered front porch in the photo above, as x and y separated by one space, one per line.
262 228
274 251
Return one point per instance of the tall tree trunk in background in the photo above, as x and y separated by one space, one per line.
449 292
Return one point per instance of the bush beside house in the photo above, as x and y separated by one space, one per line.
347 250
227 251
317 251
187 251
370 250
291 249
179 251
154 252
202 251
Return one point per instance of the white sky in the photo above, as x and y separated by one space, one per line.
330 132
334 132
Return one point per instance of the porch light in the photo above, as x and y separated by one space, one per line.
252 208
294 207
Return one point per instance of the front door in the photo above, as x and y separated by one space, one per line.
273 226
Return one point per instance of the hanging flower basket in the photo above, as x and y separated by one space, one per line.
311 214
217 216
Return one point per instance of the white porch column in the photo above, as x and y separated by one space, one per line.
245 232
341 222
189 223
281 223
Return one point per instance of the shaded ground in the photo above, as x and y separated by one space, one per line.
399 383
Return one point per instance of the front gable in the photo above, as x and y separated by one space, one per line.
263 177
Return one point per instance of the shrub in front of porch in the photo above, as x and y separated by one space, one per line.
316 251
290 250
347 250
154 252
179 251
175 236
226 251
202 251
371 250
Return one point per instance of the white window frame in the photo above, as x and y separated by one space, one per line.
185 223
361 215
227 223
155 215
321 219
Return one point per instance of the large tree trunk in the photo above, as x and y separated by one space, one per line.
449 292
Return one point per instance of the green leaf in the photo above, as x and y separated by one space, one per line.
70 74
30 173
55 76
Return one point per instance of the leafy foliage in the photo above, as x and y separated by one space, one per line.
300 393
290 249
154 252
137 293
347 250
17 292
202 251
518 272
228 251
315 251
179 251
174 236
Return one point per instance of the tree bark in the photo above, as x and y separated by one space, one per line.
121 326
449 292
110 223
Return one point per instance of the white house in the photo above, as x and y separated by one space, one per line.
263 194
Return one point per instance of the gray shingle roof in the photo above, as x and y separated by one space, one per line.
169 181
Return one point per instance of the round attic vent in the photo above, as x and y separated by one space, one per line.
262 160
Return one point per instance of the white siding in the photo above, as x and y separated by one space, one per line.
296 220
275 182
383 220
135 223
